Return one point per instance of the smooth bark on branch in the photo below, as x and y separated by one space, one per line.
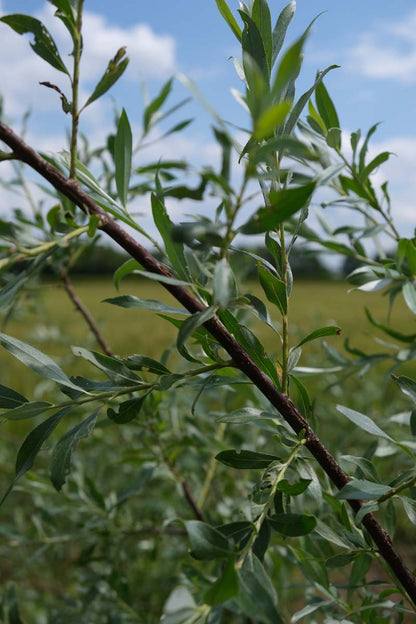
240 357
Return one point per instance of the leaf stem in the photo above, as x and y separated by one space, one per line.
262 517
394 491
285 317
75 91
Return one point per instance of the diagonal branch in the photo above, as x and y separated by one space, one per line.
239 356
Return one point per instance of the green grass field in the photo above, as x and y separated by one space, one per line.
51 322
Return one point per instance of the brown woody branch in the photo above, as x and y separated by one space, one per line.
86 314
241 359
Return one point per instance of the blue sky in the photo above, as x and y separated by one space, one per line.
374 41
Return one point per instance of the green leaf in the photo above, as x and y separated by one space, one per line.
390 331
62 453
361 566
174 249
127 411
326 107
114 71
129 301
191 324
376 162
9 398
364 147
154 106
251 344
413 422
257 596
206 542
165 279
43 44
225 587
270 120
142 362
361 489
406 249
224 285
334 137
125 269
32 445
27 410
253 47
274 288
280 29
364 422
261 17
294 489
407 386
246 415
284 204
292 525
304 98
37 361
409 294
113 368
225 11
245 459
331 330
123 146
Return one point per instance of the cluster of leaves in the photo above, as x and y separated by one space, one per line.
158 422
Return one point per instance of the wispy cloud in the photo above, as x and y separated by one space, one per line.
152 55
388 52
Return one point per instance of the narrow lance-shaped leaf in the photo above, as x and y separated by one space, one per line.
331 330
123 146
225 11
224 283
39 362
280 29
271 120
154 106
409 294
127 411
376 162
114 71
407 386
206 542
174 250
261 17
257 596
191 324
253 47
292 525
326 107
364 422
274 288
361 489
129 301
43 44
225 587
284 204
32 445
10 398
62 453
245 459
29 409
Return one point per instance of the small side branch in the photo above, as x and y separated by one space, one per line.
83 310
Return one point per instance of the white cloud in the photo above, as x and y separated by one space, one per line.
151 55
388 51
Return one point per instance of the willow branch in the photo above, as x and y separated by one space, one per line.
85 313
240 357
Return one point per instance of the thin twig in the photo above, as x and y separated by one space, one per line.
240 357
83 310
